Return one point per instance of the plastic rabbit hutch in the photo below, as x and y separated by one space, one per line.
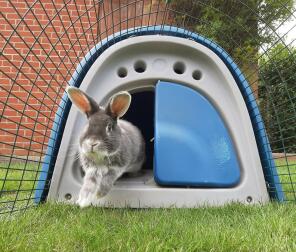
209 133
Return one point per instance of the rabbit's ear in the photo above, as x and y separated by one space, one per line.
119 104
82 101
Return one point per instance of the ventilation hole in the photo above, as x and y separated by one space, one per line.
122 72
179 67
140 66
249 199
68 196
196 75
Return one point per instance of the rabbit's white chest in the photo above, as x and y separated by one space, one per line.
97 157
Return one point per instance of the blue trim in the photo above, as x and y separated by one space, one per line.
270 172
52 150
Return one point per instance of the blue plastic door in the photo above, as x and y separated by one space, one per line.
192 146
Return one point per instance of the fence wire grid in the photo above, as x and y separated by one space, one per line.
43 41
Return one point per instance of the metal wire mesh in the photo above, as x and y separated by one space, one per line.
42 42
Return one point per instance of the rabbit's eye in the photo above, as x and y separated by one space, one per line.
109 128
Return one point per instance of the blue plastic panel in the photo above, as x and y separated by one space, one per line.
192 144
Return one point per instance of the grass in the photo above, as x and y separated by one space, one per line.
56 227
287 174
52 227
17 184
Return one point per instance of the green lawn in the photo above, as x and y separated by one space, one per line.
287 174
51 227
17 184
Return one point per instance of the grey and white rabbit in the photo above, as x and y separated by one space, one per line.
108 146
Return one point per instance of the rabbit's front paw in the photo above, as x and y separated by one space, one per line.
104 189
85 198
101 194
83 202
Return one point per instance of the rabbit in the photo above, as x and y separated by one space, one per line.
108 146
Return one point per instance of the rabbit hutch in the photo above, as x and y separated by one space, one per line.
217 109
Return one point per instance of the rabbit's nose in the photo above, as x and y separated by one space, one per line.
93 145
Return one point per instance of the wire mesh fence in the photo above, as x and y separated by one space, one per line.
43 42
